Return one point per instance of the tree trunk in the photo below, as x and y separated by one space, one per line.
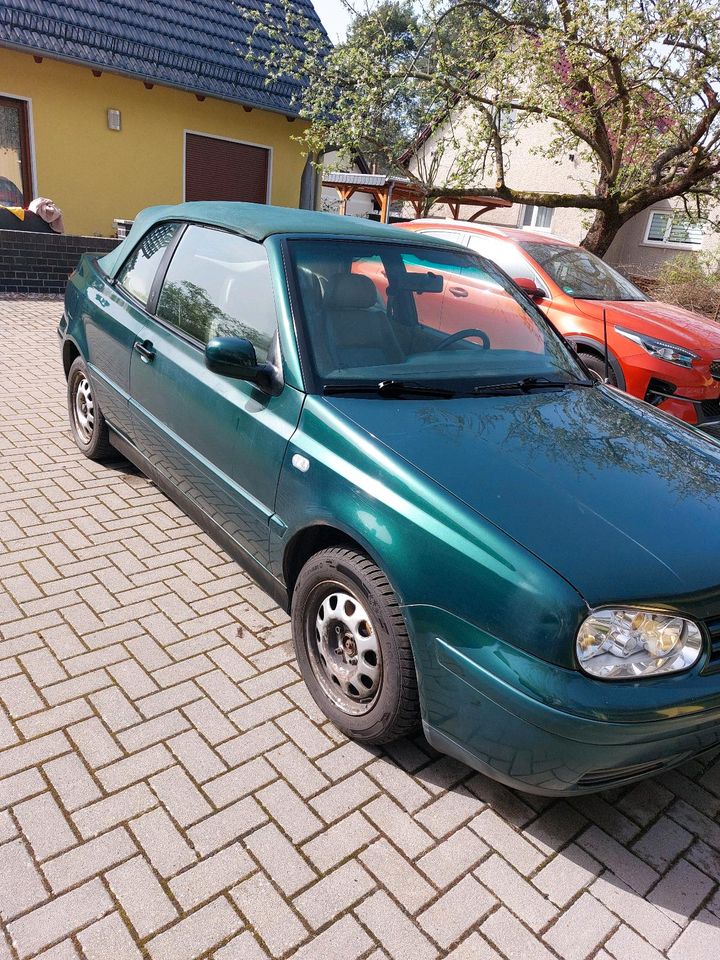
603 231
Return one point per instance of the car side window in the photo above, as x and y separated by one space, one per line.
506 256
138 272
218 285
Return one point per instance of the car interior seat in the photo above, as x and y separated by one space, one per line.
358 330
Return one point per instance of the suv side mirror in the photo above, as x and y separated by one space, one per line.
235 357
529 287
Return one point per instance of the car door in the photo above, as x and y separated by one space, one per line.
220 441
114 314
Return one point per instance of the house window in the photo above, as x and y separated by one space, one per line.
537 218
15 169
221 169
672 230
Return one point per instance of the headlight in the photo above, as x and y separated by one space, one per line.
625 643
660 348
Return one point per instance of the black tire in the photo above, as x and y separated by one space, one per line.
87 424
393 710
596 363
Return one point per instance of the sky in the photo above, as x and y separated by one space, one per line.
334 16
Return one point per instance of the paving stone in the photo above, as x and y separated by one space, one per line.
399 936
644 917
88 859
516 893
21 885
220 828
700 941
340 841
63 915
508 842
398 825
334 894
397 875
211 876
449 812
344 940
141 896
278 857
44 824
268 915
581 929
453 857
195 934
290 811
179 795
162 842
681 891
618 859
457 911
108 937
513 939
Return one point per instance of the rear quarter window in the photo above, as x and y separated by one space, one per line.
138 272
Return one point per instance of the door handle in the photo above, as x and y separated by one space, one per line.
458 291
147 354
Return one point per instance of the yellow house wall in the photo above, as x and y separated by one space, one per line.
96 175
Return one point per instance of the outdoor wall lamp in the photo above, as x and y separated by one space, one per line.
114 119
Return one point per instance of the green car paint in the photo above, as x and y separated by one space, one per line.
500 521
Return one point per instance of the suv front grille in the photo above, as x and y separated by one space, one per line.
715 369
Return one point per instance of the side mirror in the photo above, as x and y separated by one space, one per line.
235 357
529 287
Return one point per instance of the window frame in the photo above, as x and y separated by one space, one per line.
533 219
149 307
666 244
27 145
312 381
164 266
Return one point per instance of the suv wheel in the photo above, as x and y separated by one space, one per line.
597 363
88 426
353 647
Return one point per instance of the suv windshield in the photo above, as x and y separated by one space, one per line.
406 316
581 274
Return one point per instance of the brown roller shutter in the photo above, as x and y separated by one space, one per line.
223 170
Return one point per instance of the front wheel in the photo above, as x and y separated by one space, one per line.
88 426
353 647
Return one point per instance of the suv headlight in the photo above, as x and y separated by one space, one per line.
623 643
661 348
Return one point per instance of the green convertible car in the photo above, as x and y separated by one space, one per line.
469 530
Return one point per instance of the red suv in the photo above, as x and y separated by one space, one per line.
663 354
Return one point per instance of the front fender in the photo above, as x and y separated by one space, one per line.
432 548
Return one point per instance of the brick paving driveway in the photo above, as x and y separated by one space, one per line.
168 788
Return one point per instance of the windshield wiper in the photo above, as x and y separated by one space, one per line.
390 388
526 385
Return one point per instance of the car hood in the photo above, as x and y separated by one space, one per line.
661 320
619 499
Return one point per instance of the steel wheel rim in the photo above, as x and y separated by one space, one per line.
344 649
83 409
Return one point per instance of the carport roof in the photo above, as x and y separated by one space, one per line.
196 45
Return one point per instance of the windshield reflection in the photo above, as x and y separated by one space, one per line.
412 314
581 274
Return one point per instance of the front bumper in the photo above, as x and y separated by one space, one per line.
691 394
543 729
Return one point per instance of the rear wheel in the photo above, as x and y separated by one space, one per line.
597 363
353 647
87 424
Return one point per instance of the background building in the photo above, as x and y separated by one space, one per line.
108 107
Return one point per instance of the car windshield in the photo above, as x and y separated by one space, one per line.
378 312
581 274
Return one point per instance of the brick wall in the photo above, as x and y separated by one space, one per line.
42 262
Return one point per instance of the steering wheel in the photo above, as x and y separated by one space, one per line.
463 335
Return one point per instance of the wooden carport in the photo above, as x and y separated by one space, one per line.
384 189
